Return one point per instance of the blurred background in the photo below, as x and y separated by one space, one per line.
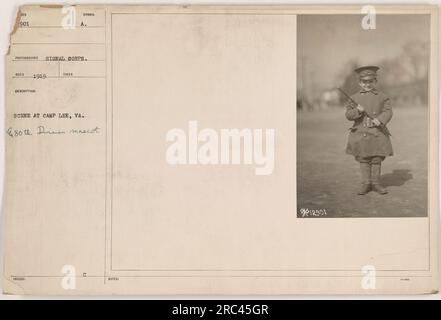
329 48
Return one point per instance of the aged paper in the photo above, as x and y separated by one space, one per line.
190 150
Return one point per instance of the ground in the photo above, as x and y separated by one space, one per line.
329 179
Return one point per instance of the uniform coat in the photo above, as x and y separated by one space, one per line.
364 139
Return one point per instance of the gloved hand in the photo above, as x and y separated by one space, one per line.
376 122
360 108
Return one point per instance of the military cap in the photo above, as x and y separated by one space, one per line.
367 72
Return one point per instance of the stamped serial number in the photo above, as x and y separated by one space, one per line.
306 212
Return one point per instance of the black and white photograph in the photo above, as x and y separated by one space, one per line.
362 115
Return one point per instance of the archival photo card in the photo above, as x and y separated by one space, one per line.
221 150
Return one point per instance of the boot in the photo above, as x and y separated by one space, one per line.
365 169
375 174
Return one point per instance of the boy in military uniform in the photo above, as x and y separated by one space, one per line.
369 140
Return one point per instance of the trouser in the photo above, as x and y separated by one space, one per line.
370 168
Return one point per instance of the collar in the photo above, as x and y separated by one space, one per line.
374 91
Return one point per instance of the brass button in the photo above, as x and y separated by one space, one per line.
364 135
